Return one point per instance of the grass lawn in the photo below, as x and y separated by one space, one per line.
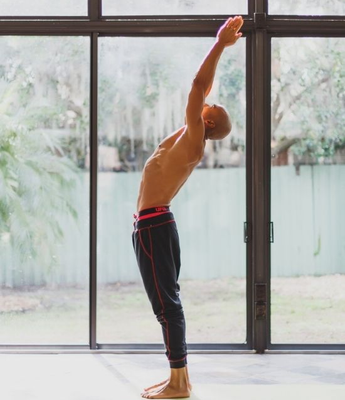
304 310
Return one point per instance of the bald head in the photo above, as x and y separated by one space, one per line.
217 122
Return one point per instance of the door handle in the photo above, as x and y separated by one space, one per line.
271 232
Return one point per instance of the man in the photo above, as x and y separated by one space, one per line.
155 237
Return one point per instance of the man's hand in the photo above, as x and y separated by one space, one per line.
228 33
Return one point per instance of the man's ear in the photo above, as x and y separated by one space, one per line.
210 123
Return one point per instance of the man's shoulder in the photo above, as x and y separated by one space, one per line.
180 147
192 139
186 150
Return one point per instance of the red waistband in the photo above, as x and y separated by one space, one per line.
151 212
156 214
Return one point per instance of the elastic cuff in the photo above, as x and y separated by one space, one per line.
179 363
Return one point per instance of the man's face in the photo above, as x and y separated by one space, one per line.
212 112
210 106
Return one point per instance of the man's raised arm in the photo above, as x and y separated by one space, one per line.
202 83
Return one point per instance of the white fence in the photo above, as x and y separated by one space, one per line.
308 211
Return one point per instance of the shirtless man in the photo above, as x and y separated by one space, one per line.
155 237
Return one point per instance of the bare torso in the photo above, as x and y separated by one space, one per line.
168 169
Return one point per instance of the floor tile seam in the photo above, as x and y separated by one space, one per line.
111 368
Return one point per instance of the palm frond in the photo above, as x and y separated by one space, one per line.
36 185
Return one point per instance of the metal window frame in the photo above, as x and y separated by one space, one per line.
259 28
93 188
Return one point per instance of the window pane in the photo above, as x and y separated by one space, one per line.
174 7
28 8
307 7
44 190
308 189
143 93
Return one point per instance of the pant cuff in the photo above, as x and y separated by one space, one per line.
178 363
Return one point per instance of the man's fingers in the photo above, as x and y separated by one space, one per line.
234 23
238 23
238 27
228 22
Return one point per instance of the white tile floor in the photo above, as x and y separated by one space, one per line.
214 377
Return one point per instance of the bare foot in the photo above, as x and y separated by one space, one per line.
159 386
168 391
155 388
177 386
149 389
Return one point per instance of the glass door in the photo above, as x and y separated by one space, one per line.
44 190
143 89
308 190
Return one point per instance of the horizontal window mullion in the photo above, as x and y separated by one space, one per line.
202 26
299 26
128 27
41 18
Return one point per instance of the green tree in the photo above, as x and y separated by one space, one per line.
308 86
35 189
43 139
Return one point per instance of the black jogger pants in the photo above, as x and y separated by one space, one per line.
156 245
